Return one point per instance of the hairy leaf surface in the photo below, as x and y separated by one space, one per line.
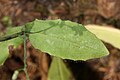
66 39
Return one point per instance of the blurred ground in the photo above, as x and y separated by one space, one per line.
102 12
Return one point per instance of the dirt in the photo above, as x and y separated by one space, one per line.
81 11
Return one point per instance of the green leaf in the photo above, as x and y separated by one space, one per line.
66 39
28 26
16 40
58 70
107 34
13 30
4 51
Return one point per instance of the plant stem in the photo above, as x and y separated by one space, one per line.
25 56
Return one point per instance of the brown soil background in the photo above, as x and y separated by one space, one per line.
102 12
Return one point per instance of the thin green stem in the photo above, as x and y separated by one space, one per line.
25 56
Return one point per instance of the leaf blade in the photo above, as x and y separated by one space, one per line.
4 51
58 70
13 37
107 34
66 39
